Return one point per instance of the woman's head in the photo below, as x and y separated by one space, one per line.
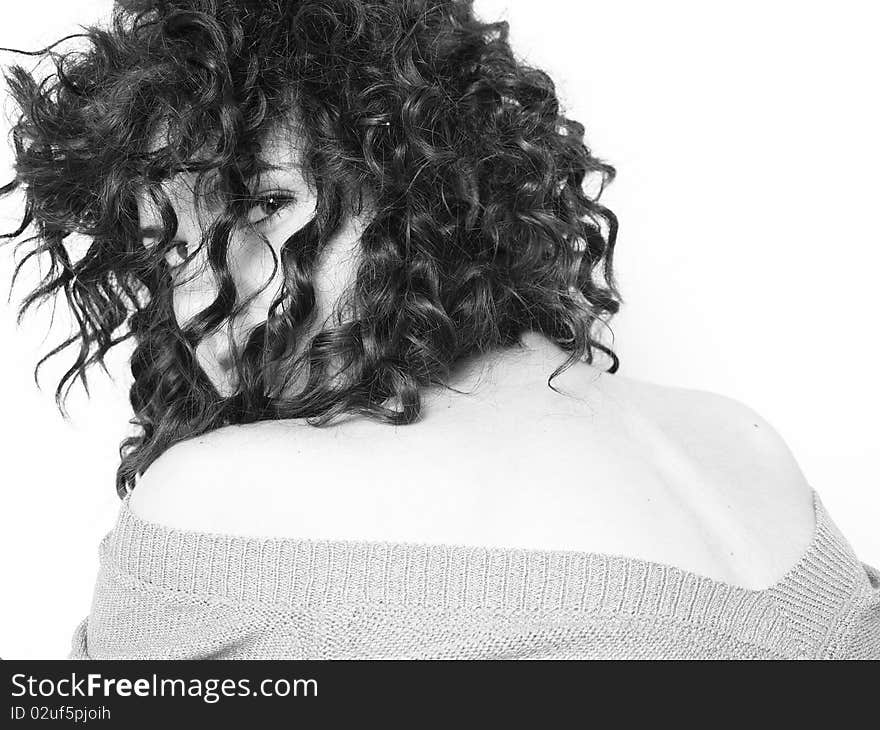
279 204
305 209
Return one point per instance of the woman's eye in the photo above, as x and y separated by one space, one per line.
267 206
177 253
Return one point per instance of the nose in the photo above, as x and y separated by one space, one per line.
224 359
228 340
231 339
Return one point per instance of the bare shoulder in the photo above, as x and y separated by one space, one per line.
722 433
741 461
684 477
195 480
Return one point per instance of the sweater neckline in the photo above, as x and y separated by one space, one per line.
367 575
408 547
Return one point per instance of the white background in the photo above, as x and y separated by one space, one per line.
746 140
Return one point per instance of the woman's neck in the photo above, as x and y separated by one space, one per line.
529 364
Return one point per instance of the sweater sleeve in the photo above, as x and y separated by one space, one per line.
79 642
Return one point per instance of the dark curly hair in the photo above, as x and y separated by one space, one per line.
482 227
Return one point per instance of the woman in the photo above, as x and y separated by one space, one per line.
376 416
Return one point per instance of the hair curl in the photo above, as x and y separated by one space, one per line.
482 227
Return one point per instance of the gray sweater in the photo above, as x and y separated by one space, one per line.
165 593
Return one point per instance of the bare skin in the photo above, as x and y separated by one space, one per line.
615 466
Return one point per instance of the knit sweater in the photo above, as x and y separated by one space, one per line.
166 593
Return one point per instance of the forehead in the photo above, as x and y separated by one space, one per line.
278 156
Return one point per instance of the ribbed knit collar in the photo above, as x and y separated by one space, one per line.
792 617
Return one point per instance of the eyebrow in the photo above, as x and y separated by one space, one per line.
157 231
151 232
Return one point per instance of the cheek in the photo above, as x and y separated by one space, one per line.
192 295
337 268
251 269
257 273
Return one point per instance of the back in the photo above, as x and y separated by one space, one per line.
616 466
165 593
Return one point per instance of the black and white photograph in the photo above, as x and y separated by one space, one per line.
439 329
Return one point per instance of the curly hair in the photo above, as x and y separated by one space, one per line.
482 227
